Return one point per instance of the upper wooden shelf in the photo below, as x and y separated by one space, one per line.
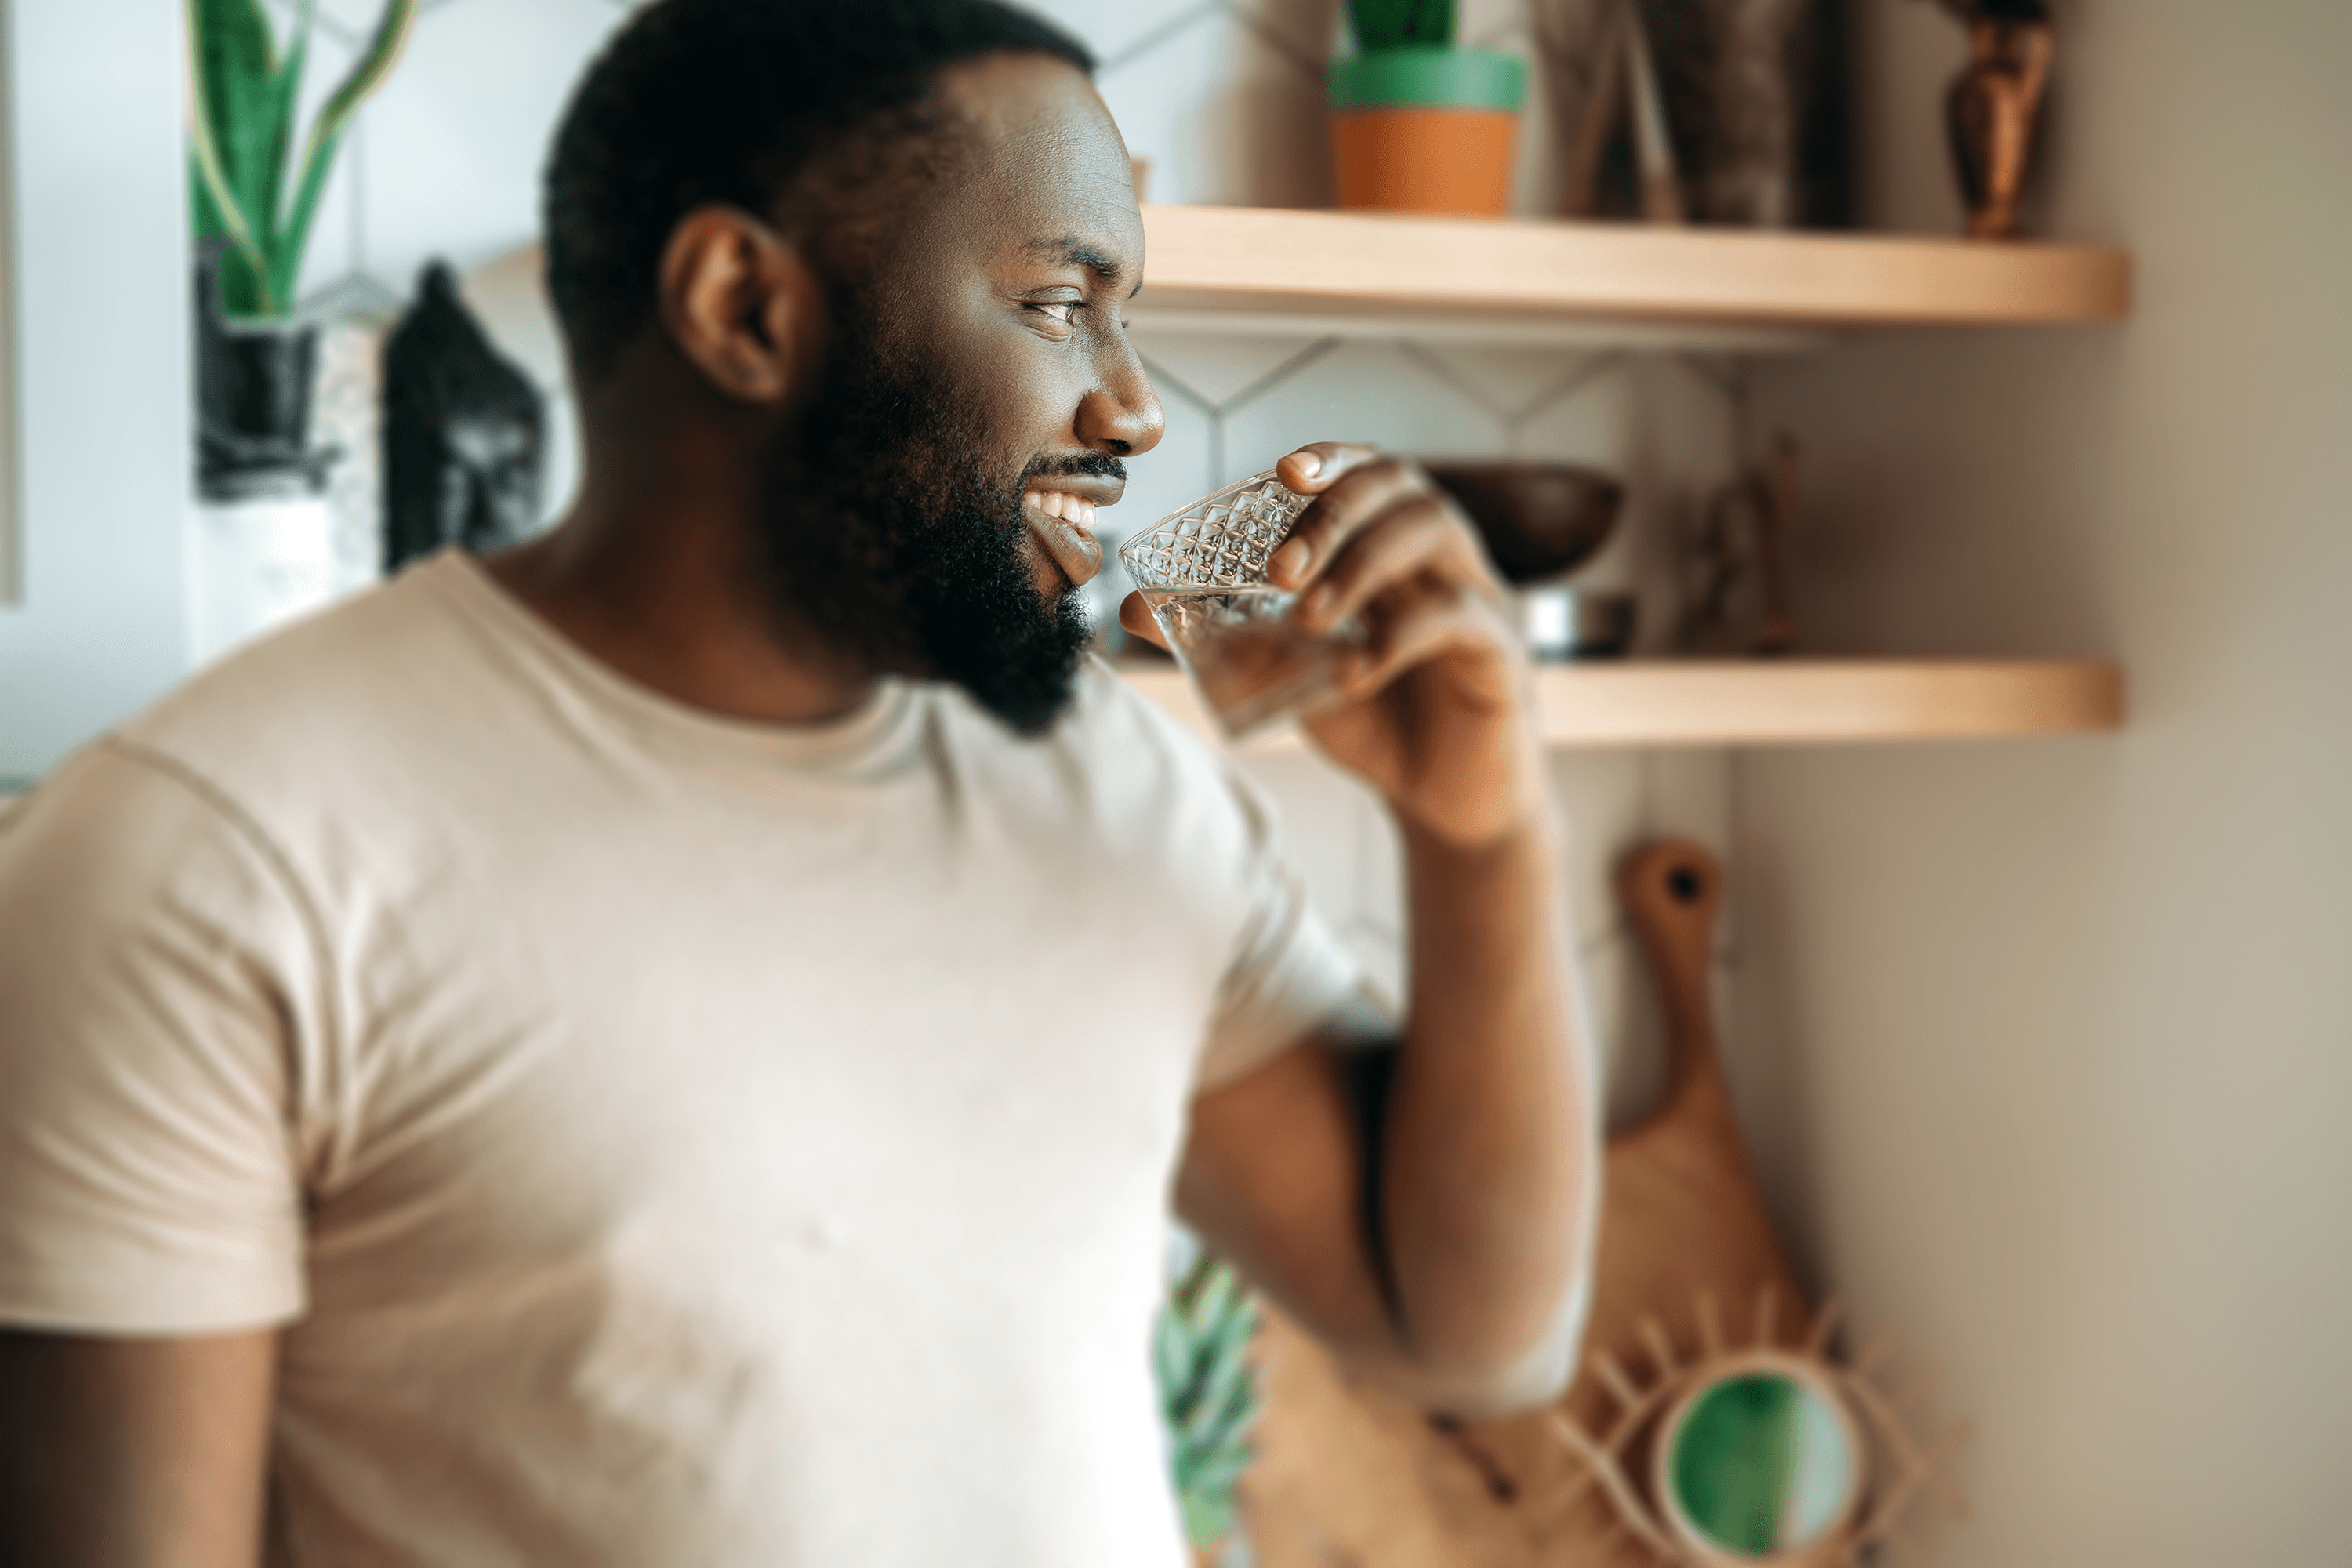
1226 261
1749 702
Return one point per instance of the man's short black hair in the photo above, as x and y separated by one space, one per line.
739 101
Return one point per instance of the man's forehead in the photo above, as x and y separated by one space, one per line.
1051 166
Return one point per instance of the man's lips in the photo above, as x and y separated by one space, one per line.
1091 490
1061 512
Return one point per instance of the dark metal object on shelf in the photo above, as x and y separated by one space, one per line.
464 433
253 399
1539 520
1563 624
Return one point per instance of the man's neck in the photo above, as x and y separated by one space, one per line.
671 597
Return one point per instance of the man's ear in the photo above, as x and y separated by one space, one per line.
741 303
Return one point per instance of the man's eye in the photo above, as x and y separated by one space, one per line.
1063 310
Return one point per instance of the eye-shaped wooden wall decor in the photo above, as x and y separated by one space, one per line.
1743 1444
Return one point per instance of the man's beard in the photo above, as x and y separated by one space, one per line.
887 537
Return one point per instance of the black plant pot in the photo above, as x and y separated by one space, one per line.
253 400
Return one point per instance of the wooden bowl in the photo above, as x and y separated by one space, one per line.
1539 518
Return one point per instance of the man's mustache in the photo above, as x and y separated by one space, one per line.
1100 465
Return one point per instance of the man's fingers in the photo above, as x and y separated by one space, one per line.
1424 628
1135 618
1317 465
1351 502
1420 536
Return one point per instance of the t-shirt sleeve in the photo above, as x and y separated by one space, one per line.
1291 977
152 961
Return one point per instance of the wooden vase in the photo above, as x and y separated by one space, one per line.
1991 112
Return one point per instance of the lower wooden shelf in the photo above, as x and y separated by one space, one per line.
1772 703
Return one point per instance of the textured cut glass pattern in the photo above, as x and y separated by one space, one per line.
1221 541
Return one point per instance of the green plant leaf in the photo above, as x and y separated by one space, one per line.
1208 1396
230 51
284 100
365 76
1220 1470
1171 1360
1208 1518
1401 23
1223 1418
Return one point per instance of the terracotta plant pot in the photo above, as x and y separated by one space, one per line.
1426 130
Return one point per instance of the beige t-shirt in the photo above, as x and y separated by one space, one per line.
667 1141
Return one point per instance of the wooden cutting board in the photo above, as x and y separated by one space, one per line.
1347 1476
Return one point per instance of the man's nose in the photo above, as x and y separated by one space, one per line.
1122 417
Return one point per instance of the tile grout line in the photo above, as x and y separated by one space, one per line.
1166 30
1277 376
1575 381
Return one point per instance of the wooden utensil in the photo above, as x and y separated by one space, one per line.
1347 1475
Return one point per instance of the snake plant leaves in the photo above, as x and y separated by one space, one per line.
1401 23
245 95
365 76
1208 1399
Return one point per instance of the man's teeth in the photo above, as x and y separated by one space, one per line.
1061 504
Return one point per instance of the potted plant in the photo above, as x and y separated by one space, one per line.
252 223
1418 125
1207 1397
265 549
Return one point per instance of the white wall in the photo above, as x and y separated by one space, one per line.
2049 1046
98 185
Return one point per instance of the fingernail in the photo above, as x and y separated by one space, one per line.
1309 465
1292 557
1322 602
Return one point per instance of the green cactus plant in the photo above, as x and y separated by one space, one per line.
244 92
1401 23
1207 1396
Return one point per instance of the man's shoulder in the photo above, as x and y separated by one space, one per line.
395 667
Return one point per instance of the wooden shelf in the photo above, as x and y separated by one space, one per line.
1234 264
1673 702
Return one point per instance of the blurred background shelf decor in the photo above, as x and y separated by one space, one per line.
1971 994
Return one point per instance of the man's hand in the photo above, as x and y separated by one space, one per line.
1436 716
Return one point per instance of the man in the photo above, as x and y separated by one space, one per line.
674 1047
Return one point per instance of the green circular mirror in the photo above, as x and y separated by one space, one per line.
1758 1463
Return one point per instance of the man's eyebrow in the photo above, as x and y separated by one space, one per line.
1075 252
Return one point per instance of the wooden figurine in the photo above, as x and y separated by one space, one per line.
1739 603
1994 106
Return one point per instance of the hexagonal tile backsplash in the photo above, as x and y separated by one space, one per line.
1224 98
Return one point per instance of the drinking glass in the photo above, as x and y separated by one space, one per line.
1201 569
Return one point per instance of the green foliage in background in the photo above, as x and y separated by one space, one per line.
244 97
1206 1395
1401 23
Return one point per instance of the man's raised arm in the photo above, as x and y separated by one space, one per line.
1427 1212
